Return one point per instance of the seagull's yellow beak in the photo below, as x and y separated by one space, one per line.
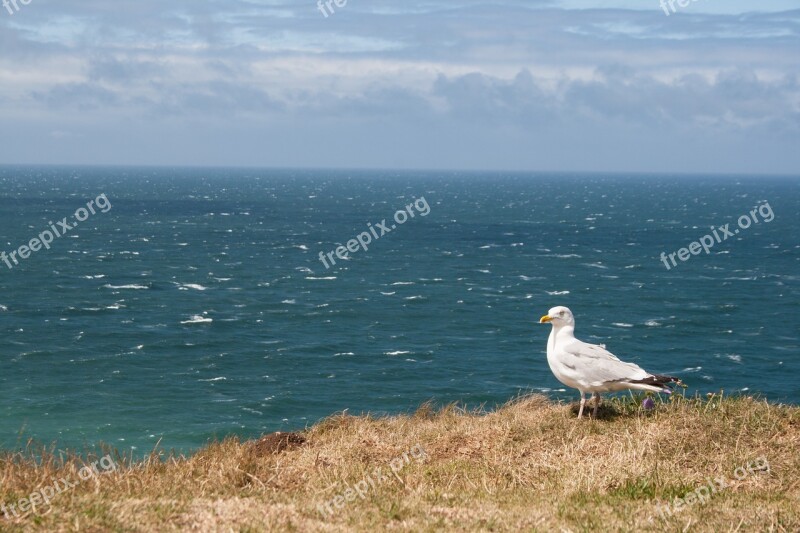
545 319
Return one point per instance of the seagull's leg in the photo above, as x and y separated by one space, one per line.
596 404
583 402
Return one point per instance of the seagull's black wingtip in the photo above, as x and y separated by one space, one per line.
665 382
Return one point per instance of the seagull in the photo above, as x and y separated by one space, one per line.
591 368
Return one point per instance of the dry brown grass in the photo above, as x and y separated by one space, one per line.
528 466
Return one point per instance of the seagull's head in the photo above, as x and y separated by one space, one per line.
558 316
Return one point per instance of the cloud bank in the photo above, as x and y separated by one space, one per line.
539 85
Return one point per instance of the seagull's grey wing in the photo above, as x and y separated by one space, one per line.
597 365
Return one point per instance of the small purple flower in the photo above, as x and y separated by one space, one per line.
648 404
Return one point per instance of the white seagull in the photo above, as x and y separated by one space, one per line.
591 368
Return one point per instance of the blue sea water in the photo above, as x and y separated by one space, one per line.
197 306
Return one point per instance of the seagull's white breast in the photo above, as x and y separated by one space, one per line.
566 375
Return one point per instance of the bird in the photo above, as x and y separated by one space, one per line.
591 368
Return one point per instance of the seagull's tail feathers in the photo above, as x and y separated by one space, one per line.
656 383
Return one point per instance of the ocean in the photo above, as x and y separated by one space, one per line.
185 305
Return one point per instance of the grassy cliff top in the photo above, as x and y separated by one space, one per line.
703 464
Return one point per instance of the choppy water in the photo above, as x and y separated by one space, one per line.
197 306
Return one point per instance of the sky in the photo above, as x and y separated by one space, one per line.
541 85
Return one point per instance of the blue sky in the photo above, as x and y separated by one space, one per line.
572 85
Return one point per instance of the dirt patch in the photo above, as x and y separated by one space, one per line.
275 443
